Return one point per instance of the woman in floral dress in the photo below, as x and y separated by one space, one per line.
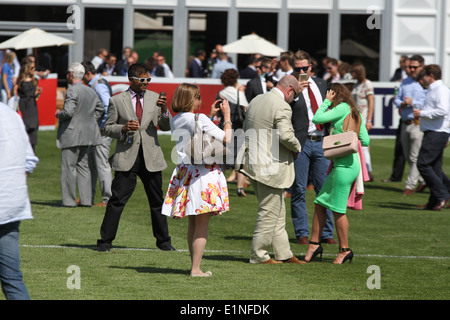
195 190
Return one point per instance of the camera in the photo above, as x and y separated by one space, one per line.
218 103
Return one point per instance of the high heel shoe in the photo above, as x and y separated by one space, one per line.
348 257
318 251
241 192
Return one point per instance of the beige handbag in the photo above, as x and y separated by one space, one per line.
342 144
205 149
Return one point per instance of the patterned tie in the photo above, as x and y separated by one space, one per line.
314 106
138 108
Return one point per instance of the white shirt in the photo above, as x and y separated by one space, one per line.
182 127
434 114
17 159
312 129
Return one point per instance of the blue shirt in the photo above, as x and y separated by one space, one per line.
9 71
103 93
410 88
220 67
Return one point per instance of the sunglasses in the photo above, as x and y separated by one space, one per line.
414 67
142 80
304 69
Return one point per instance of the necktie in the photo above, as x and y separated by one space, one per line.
138 108
314 106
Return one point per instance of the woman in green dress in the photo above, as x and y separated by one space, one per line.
335 191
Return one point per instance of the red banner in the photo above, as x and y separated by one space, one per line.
47 101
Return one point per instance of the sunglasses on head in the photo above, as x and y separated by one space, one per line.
142 80
304 69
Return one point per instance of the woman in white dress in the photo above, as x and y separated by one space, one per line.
196 190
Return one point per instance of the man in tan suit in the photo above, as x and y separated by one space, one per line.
133 117
270 147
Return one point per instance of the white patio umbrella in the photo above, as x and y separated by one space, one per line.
35 38
251 44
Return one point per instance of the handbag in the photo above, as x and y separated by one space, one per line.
203 148
342 144
239 115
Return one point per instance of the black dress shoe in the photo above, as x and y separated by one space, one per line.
103 246
167 248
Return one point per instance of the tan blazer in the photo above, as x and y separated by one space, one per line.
120 111
270 142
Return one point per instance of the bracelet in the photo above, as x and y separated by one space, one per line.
227 122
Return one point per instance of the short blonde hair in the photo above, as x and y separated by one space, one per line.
184 97
10 57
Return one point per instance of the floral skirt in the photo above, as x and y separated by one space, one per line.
196 189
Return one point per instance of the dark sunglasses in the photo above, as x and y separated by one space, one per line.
142 80
304 69
414 67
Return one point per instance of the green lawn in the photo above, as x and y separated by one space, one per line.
409 246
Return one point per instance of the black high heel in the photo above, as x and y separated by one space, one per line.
318 251
241 192
349 256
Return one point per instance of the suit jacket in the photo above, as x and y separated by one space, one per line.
269 142
195 70
248 73
120 111
253 88
300 120
78 120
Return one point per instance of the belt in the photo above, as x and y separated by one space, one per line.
407 122
315 138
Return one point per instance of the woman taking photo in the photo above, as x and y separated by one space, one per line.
335 191
197 191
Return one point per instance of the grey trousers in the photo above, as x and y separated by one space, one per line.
100 168
75 173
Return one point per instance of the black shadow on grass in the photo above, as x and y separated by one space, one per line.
153 270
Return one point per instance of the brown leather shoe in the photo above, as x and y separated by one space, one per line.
407 192
294 260
440 205
421 187
329 241
303 241
271 261
101 204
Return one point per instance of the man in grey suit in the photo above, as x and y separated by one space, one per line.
77 131
133 117
270 146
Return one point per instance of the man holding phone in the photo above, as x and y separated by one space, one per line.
133 117
311 163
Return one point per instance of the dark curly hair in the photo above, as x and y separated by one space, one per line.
229 77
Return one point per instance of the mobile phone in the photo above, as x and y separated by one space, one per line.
303 77
162 94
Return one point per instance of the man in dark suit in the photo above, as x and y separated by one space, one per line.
311 163
133 117
196 69
261 83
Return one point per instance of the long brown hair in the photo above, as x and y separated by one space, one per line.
26 71
343 95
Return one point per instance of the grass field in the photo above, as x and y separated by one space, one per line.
407 246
